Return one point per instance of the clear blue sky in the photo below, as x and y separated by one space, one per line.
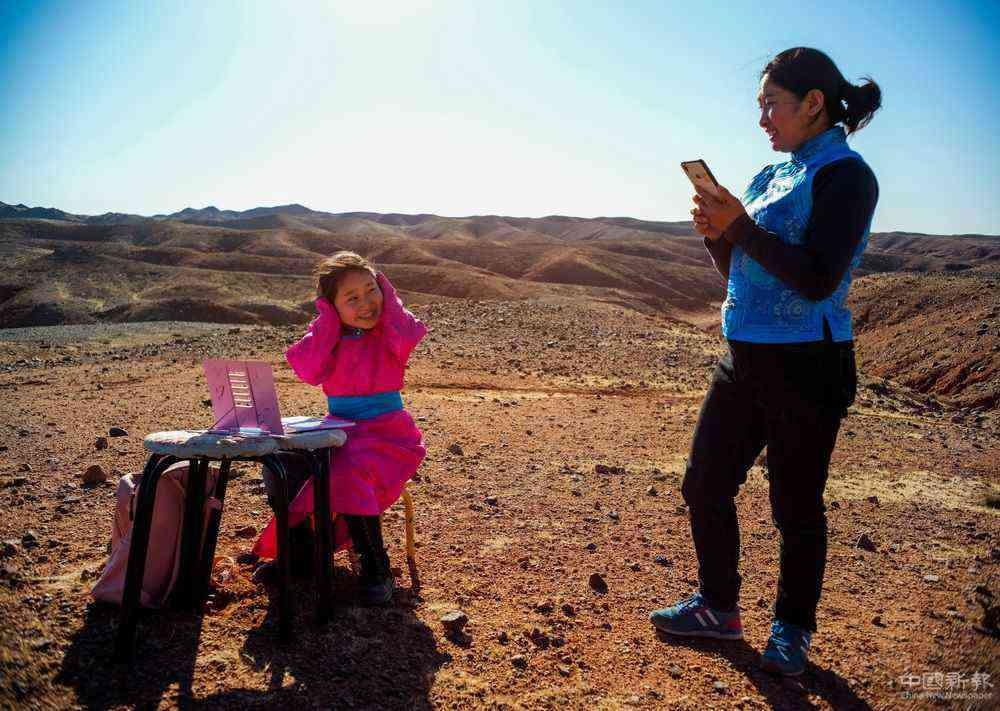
519 107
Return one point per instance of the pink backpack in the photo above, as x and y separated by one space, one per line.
164 554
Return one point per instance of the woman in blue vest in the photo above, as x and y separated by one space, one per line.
787 250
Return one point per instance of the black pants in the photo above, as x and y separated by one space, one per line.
791 398
366 531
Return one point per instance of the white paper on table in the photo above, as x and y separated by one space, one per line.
306 424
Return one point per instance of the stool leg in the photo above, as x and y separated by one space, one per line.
194 507
284 545
136 567
411 546
324 535
204 579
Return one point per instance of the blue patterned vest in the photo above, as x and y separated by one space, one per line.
759 307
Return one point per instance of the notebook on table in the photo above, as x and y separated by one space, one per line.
244 401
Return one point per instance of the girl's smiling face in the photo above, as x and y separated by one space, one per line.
359 300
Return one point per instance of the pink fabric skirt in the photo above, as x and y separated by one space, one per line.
367 475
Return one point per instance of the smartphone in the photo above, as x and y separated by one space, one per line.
699 174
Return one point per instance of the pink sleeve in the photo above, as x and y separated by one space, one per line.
402 329
312 356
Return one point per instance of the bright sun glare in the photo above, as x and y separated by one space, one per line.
377 12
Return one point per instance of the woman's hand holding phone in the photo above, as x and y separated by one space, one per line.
716 207
716 213
703 227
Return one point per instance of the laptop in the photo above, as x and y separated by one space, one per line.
244 401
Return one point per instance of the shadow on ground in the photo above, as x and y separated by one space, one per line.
780 692
380 657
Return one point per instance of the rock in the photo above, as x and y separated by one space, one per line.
651 491
492 501
865 543
568 609
834 504
25 467
676 671
873 500
614 515
456 449
635 567
9 548
101 443
117 432
877 621
720 687
932 578
29 539
544 607
591 547
597 583
246 532
502 637
607 469
663 560
519 661
19 481
538 637
563 670
454 621
95 474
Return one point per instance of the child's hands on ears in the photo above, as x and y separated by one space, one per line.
326 309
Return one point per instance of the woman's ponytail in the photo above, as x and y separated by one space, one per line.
860 103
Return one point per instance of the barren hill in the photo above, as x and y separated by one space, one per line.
936 333
227 266
71 272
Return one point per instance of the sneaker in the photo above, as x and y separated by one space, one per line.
376 591
787 650
691 617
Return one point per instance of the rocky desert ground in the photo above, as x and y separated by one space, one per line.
557 415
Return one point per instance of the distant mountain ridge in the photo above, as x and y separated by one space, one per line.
296 215
211 215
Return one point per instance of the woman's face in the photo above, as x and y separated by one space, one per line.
788 120
359 300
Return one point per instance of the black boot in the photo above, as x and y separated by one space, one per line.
376 584
302 542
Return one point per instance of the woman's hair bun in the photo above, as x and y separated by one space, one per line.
860 103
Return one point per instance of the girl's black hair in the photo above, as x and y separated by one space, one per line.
801 69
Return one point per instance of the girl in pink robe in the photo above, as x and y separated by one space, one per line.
361 372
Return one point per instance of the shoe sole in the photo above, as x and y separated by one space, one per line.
772 668
709 635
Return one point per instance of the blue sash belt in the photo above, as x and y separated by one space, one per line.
364 407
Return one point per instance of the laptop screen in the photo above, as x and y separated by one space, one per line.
243 396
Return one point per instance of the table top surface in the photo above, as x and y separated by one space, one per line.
229 445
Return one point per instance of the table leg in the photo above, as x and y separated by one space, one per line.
324 535
284 545
136 567
204 579
191 532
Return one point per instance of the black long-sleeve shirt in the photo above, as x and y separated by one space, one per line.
844 197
